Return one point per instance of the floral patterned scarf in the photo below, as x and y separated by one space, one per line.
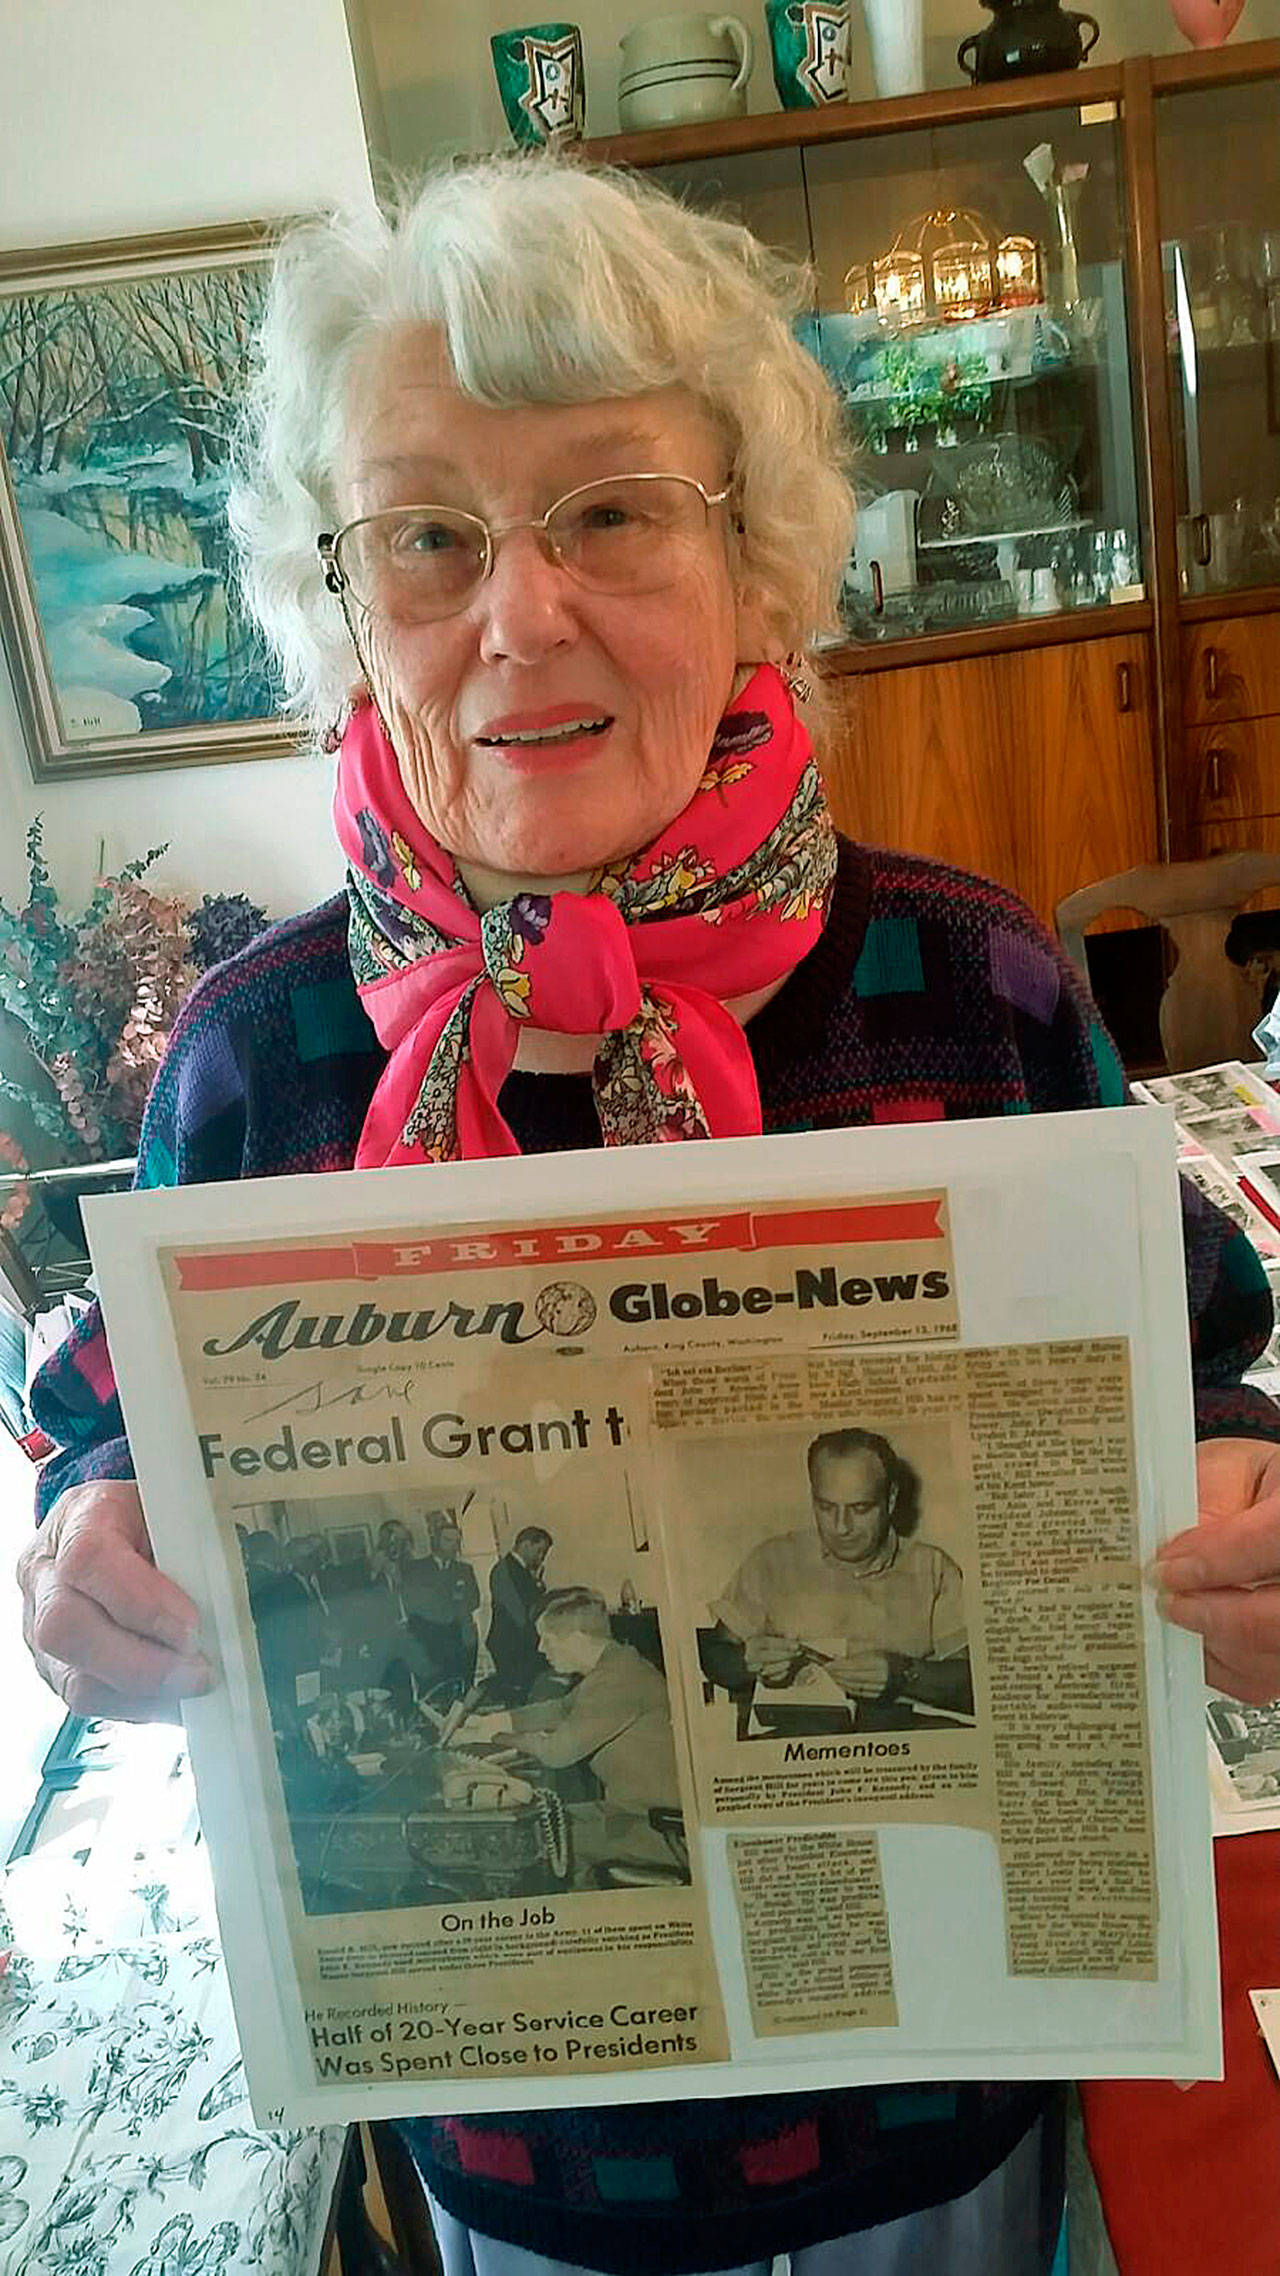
728 898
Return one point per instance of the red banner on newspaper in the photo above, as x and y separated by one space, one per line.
867 1225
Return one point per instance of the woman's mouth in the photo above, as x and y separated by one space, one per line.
545 732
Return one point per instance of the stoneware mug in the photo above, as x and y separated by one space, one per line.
677 68
810 43
538 68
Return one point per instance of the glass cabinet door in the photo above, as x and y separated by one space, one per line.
1218 155
969 305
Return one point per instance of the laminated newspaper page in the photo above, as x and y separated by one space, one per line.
1225 1111
691 1642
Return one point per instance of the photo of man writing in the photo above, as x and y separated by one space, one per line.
617 1721
847 1621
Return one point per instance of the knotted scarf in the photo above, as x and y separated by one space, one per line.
727 898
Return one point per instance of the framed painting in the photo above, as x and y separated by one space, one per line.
121 372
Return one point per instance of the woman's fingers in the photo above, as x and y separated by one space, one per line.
68 1628
109 1633
1232 1552
1241 1631
85 1695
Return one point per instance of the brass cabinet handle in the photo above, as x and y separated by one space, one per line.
1211 674
877 588
1124 687
1201 540
1213 760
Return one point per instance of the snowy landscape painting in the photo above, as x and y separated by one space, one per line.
119 388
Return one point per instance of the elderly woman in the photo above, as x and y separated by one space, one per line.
542 502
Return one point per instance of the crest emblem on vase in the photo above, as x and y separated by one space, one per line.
553 97
824 68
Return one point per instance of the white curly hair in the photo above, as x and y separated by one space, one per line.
552 283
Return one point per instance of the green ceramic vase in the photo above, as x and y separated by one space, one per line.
540 79
810 44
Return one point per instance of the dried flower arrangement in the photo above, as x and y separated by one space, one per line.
94 997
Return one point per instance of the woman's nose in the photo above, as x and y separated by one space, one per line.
527 604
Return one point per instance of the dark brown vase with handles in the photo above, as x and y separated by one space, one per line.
1028 36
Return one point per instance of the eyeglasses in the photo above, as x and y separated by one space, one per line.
629 534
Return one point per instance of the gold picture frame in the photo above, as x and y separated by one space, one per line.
121 364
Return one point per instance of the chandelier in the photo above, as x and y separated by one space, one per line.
946 265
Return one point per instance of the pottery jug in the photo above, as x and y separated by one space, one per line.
678 68
1206 23
1027 36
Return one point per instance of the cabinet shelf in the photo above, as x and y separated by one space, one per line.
1000 536
1021 373
1094 85
841 122
843 658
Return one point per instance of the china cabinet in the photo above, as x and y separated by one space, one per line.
1052 309
981 761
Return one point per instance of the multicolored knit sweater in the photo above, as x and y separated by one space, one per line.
932 995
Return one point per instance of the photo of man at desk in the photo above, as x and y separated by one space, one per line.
418 1765
847 1621
616 1721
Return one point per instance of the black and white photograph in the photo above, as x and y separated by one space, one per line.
1231 1133
1262 1168
827 1563
1219 1186
1247 1741
467 1695
1206 1090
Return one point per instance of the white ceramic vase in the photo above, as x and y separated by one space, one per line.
896 31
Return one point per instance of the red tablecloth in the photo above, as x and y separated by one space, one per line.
1190 2181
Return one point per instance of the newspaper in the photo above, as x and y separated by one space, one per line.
1228 1123
698 1650
1244 1764
1018 1620
1226 1110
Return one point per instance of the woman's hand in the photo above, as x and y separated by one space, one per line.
1222 1576
108 1633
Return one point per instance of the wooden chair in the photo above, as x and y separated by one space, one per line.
1209 1008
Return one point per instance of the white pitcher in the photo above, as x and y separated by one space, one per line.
680 68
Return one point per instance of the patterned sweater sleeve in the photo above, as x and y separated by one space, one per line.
74 1398
1069 1061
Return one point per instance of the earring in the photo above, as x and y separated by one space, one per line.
799 685
331 740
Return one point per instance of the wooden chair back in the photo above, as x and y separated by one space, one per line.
1208 1010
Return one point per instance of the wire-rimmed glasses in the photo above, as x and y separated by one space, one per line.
630 533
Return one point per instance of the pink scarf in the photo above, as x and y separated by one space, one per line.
728 897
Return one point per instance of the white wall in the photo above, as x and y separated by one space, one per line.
126 116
